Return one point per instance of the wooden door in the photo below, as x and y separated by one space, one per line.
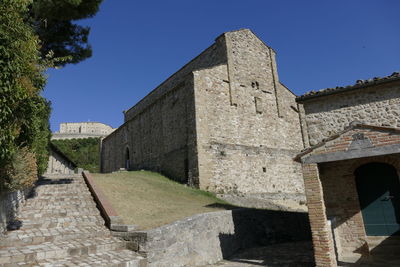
378 189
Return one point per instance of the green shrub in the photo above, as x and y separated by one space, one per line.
20 172
24 114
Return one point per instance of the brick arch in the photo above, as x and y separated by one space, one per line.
393 160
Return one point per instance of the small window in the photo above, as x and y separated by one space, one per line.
255 85
259 106
264 169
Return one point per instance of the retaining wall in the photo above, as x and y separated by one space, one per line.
210 237
9 204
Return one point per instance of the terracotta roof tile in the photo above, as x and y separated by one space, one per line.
359 84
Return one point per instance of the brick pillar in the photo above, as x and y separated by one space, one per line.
324 252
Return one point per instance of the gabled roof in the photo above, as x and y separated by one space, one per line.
395 76
348 143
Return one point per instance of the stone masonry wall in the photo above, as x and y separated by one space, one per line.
376 105
160 138
57 136
210 237
58 165
159 131
213 56
9 205
223 122
85 128
247 124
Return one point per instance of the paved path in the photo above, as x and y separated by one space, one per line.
294 254
61 226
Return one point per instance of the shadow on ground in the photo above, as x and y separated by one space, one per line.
386 253
268 238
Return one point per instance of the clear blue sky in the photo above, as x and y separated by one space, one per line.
138 44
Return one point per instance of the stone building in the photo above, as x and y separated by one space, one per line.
223 122
70 130
351 170
59 163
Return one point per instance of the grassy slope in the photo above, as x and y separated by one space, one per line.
149 199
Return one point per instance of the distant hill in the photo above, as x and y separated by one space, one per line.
85 152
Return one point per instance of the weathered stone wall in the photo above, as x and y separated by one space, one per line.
58 164
248 126
376 105
160 138
223 122
57 136
9 205
208 238
159 131
85 128
213 56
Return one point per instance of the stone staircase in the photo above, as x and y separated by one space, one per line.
61 226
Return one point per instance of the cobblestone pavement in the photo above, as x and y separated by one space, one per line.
60 225
283 255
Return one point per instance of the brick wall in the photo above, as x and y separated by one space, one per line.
376 136
321 231
10 202
342 204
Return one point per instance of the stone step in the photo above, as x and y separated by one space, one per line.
117 258
63 222
63 193
41 207
61 186
52 204
55 183
59 191
57 250
62 199
36 236
57 213
60 181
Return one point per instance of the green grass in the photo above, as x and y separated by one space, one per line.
150 200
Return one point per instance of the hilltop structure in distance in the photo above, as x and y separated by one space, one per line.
70 130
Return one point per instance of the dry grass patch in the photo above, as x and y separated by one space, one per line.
150 200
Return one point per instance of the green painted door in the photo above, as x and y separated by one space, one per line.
378 189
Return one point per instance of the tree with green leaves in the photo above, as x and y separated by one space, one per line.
85 152
53 22
34 35
24 114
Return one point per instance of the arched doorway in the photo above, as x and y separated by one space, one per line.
378 190
127 159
